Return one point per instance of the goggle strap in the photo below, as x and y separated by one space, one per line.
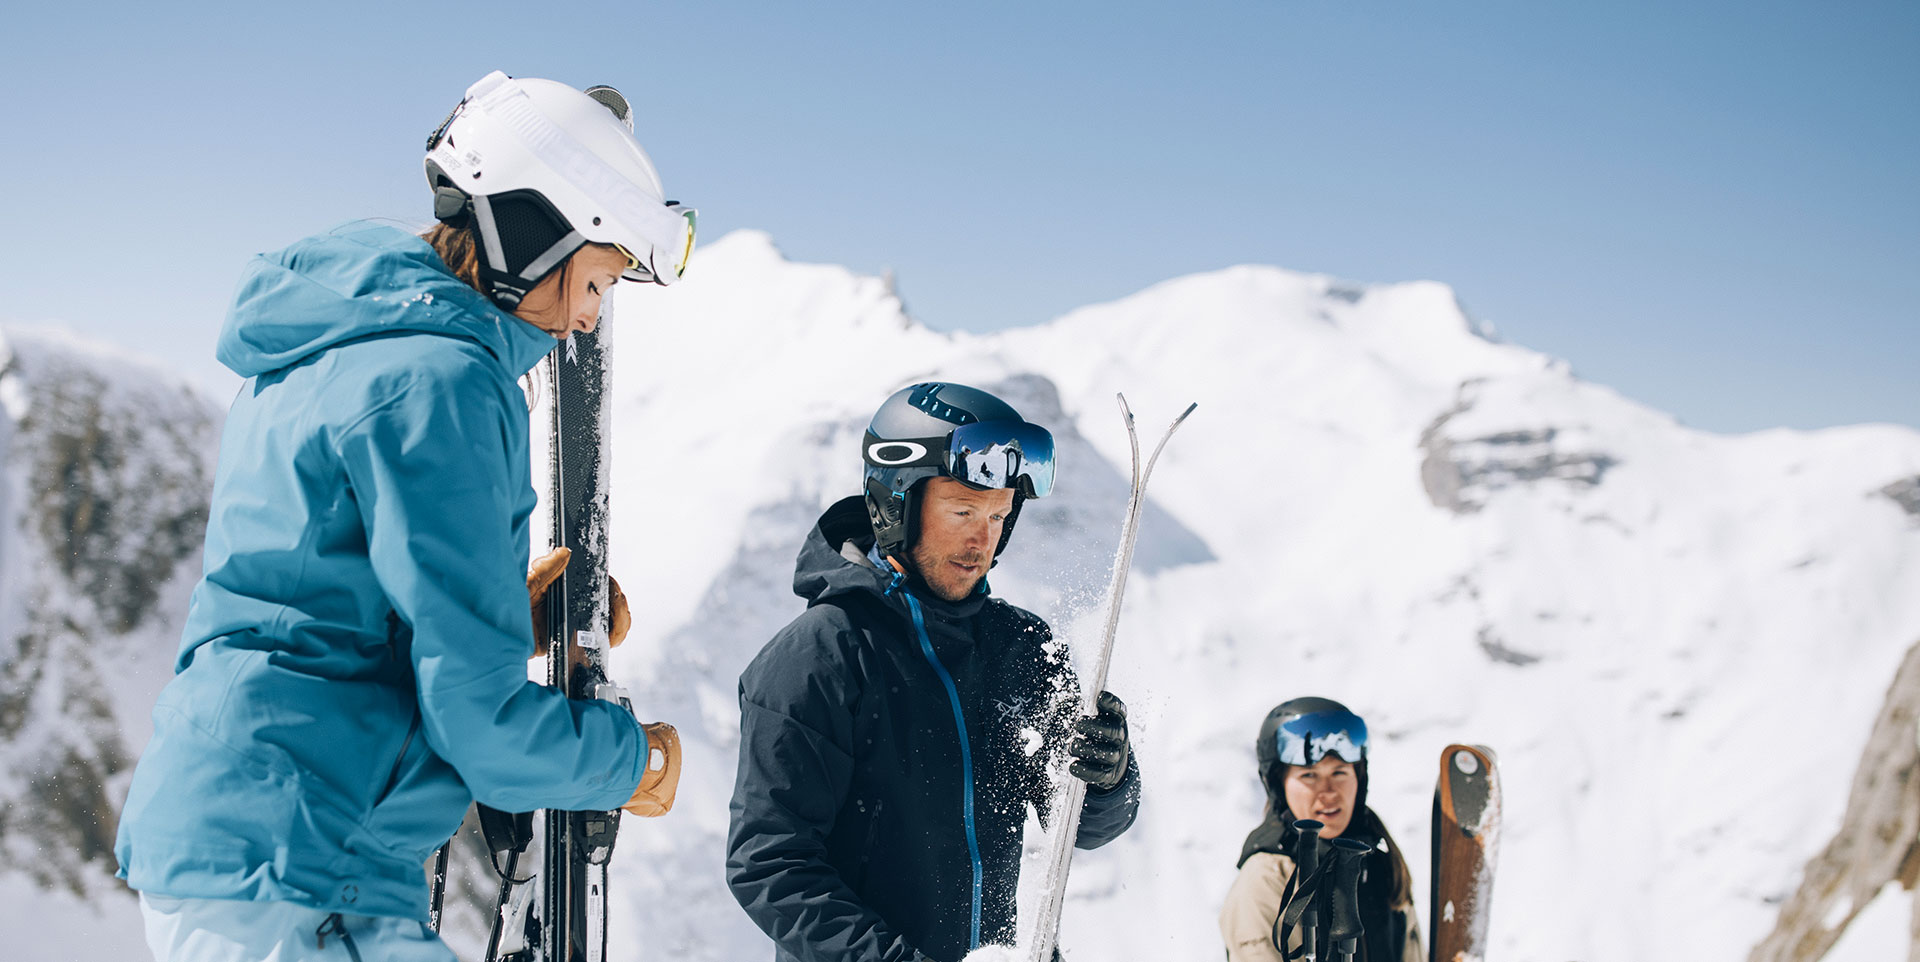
912 453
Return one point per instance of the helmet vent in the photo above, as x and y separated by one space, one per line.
613 101
925 397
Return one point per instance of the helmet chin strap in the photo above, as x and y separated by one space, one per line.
896 524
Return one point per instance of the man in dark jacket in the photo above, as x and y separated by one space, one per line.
893 735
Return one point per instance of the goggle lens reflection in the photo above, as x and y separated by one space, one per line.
1309 738
1003 454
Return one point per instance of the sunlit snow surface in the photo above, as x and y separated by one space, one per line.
1661 631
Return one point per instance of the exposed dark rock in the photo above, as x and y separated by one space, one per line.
1496 649
1877 841
120 496
1459 474
62 738
1905 493
109 472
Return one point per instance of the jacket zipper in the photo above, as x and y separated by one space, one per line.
966 760
413 727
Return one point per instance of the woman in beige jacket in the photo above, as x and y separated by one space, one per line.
1313 762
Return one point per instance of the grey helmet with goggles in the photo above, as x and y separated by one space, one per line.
942 430
1303 731
536 170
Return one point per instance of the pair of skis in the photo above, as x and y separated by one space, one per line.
1067 800
570 924
579 845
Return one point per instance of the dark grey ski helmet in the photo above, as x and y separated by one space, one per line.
1302 731
936 429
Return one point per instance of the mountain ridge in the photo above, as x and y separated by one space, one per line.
1375 501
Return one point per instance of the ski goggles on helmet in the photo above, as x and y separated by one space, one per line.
984 454
639 270
1306 739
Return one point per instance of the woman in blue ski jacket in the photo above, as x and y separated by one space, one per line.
352 674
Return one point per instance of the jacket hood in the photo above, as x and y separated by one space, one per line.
361 280
823 572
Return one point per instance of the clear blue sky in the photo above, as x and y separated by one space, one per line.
1711 206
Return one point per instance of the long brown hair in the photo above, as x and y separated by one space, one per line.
1402 876
455 247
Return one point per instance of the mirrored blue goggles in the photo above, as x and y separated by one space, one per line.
1307 739
984 454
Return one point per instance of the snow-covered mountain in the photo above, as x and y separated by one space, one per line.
105 468
1677 641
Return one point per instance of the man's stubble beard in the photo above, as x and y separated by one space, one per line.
932 570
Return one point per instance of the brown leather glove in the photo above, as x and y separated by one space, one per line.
654 796
547 570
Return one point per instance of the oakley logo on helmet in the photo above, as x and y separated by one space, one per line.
892 453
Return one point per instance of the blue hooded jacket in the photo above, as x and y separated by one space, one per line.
353 669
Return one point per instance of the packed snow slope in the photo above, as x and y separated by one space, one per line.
1676 641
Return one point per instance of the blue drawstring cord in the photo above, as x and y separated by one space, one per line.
966 752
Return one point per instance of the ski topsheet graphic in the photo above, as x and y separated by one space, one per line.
578 845
1072 792
1466 843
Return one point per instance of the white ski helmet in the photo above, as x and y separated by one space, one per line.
536 169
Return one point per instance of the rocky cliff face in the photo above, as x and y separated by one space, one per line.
1878 842
1461 472
107 470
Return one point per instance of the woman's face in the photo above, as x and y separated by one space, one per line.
586 277
1324 792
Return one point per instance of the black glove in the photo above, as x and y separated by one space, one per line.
1100 747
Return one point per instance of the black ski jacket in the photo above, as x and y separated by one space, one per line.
861 831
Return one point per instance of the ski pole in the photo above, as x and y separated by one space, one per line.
1306 861
1306 848
1346 929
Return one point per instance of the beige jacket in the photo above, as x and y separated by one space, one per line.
1246 918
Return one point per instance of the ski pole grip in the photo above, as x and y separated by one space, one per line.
1306 846
1345 928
